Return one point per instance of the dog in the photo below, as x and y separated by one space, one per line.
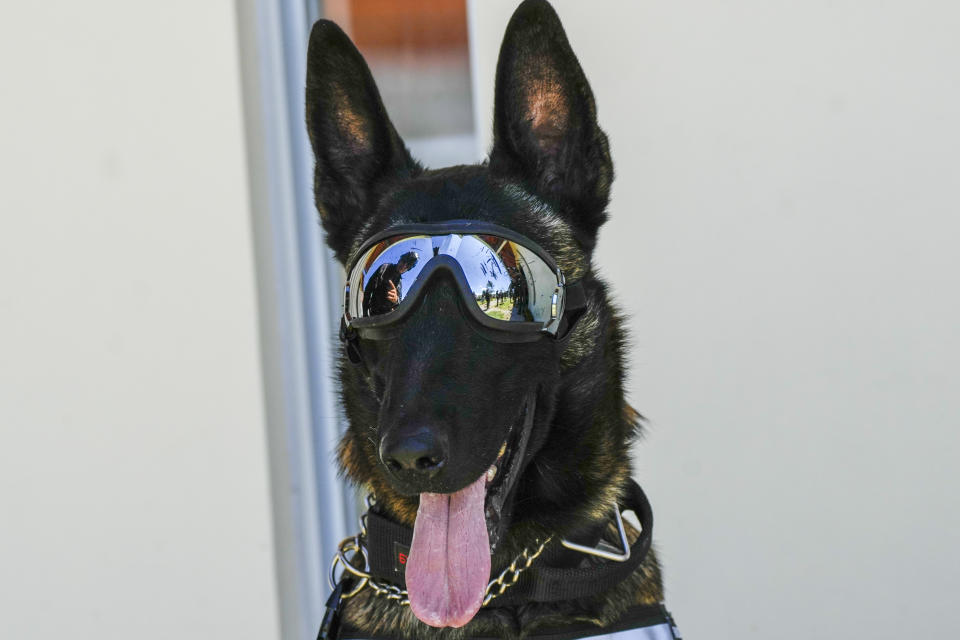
512 445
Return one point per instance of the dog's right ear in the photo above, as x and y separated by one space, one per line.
358 151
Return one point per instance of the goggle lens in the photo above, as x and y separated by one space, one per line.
507 281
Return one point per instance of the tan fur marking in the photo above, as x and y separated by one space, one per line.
351 125
546 104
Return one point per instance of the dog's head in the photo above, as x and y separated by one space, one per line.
439 405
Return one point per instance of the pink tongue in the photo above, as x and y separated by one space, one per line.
449 563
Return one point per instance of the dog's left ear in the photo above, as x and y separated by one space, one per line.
545 121
358 152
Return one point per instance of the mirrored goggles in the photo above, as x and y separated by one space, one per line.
508 283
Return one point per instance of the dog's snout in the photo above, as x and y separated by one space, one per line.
416 454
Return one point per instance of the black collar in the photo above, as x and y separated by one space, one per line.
556 576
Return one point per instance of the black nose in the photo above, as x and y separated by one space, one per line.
417 454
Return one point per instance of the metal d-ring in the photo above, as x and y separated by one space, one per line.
349 544
605 553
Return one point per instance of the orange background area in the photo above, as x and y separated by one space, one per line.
420 25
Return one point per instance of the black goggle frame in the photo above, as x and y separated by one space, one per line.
571 301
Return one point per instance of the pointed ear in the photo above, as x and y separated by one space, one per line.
358 152
545 121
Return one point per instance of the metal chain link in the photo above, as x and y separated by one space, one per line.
354 544
509 576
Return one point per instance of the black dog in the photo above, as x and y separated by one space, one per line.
439 402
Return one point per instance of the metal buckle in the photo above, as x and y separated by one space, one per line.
604 549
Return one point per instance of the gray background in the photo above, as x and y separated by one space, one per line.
783 236
134 486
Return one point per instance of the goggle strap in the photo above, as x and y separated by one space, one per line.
574 306
349 337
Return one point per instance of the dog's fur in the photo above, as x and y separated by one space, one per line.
548 177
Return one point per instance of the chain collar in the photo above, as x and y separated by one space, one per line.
354 545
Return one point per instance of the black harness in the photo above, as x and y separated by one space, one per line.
558 574
640 622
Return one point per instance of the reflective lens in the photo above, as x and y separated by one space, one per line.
507 281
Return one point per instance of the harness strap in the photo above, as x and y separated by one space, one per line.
641 622
388 543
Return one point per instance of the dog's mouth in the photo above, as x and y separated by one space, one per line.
503 474
455 534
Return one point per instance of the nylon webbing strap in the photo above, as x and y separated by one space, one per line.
550 584
388 543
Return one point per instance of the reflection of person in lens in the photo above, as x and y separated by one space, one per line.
384 290
521 297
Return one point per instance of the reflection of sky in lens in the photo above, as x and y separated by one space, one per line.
480 265
483 268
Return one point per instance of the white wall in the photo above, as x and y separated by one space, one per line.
134 497
784 235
